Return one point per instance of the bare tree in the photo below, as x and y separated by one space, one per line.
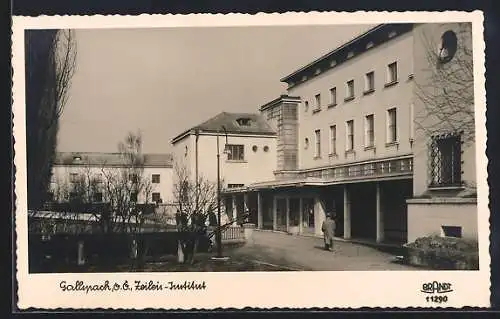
50 65
121 189
196 204
446 87
124 186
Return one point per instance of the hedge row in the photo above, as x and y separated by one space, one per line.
445 253
101 248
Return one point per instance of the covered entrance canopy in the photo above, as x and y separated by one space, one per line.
369 201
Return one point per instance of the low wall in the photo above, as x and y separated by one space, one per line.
427 216
46 250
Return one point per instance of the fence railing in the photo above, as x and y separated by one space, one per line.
233 233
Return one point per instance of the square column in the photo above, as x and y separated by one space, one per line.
235 209
380 217
259 211
319 215
287 213
275 213
301 215
245 202
347 214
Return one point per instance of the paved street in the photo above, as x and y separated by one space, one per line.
306 253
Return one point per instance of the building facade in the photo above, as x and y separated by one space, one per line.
72 167
350 139
444 182
246 144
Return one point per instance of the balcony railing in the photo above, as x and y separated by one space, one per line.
374 169
233 233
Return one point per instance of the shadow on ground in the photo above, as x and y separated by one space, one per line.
168 263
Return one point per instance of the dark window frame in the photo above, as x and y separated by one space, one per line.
452 231
317 143
446 161
333 139
156 194
73 177
350 90
370 82
155 178
97 197
449 42
370 130
236 152
134 196
392 125
350 135
392 72
317 100
333 96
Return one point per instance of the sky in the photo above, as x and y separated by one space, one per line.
164 81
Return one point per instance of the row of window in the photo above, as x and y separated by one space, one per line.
391 78
155 197
445 151
236 152
350 132
74 178
98 197
235 185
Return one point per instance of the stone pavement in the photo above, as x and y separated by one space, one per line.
307 253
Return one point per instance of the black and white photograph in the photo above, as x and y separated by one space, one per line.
295 150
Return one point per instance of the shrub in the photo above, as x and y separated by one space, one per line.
444 253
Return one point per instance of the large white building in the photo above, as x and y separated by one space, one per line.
345 139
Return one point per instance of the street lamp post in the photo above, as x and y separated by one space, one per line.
197 182
219 230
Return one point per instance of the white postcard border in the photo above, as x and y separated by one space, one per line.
345 289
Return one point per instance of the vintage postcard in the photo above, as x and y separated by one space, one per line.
292 160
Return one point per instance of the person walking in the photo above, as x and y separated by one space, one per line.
328 229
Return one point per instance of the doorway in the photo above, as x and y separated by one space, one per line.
267 212
281 214
308 225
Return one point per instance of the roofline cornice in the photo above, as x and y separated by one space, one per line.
281 99
241 134
183 135
193 131
104 165
337 54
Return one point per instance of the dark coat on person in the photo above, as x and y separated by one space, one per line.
328 228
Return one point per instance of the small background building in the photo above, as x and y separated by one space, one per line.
69 166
